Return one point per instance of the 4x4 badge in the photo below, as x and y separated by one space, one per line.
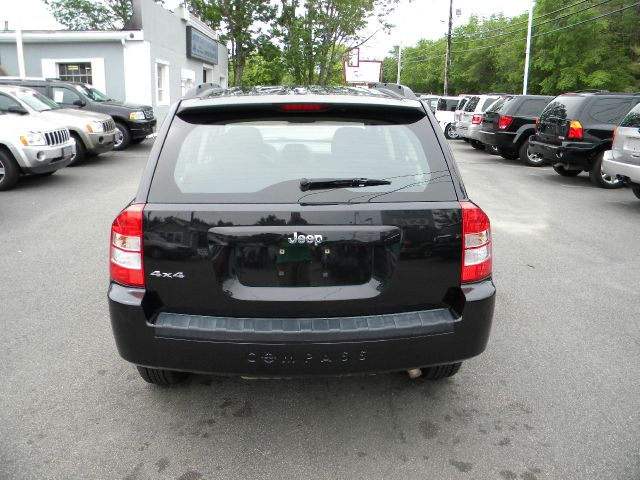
314 239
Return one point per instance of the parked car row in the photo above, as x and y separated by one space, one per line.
48 124
592 131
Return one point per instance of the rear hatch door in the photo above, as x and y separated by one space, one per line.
553 124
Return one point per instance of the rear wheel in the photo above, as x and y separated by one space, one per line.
636 191
122 138
81 151
477 145
529 158
601 179
441 371
161 377
450 132
566 173
9 171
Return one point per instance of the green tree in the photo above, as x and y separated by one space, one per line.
91 14
242 22
316 34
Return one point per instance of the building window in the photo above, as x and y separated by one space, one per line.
162 83
75 72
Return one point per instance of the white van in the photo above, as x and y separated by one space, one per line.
445 109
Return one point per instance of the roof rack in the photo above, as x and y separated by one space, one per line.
202 90
591 90
398 91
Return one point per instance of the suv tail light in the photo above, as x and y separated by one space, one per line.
613 139
476 119
537 123
477 257
504 122
302 107
575 130
126 265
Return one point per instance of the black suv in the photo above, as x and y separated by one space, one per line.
509 123
575 130
320 230
133 122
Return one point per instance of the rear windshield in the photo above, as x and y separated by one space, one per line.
562 107
471 106
447 104
264 160
461 104
632 119
487 103
500 105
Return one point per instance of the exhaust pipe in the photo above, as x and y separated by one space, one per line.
414 373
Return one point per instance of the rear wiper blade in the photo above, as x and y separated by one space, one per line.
322 183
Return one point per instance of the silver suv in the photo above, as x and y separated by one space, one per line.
93 132
32 146
623 160
470 121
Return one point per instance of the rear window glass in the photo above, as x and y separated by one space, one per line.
562 107
263 161
531 107
461 104
632 119
487 103
610 110
501 104
470 107
447 104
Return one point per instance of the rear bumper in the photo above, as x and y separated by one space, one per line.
291 347
572 155
504 140
628 171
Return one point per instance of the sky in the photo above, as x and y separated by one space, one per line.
413 20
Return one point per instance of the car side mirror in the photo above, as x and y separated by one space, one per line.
79 103
17 109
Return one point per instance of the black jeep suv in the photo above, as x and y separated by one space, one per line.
321 230
575 130
133 122
509 123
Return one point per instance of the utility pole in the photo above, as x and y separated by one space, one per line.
447 61
399 60
528 54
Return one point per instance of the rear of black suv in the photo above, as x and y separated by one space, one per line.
323 232
575 130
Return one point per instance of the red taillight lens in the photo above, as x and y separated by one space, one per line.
476 119
613 139
302 107
575 130
537 123
477 257
126 265
504 122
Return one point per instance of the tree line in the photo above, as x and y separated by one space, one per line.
576 45
580 44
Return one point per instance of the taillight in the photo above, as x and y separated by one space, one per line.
476 243
613 139
537 123
126 265
575 130
504 122
302 107
476 119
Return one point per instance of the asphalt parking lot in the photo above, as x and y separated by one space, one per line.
555 396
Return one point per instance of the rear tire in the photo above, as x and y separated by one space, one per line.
450 132
477 145
9 171
81 151
636 192
158 376
530 159
123 137
599 178
441 371
566 173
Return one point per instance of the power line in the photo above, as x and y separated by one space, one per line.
424 59
550 31
534 26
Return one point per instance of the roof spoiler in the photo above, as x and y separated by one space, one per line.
397 90
202 90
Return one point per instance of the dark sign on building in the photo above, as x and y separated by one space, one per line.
201 47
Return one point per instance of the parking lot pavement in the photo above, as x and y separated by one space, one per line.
555 396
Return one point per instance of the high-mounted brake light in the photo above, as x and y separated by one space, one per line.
126 266
575 130
477 257
476 119
504 122
302 107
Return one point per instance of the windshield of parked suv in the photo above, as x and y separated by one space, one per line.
263 161
562 107
36 101
92 93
